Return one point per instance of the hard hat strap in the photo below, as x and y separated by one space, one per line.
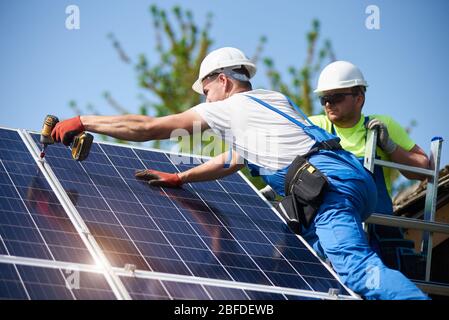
230 72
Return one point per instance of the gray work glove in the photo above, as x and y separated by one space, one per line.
383 138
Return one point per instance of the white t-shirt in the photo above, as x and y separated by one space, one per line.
255 132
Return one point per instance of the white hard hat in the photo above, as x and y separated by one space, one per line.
338 75
223 58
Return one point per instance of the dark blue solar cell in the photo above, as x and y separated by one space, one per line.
188 291
258 213
249 235
236 260
197 256
219 245
291 297
323 285
260 249
222 293
144 289
296 253
274 265
271 226
207 270
288 280
10 135
37 283
311 269
259 295
248 275
186 240
10 285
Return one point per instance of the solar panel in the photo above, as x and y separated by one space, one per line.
33 222
34 225
208 240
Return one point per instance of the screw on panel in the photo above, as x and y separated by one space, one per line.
333 292
131 268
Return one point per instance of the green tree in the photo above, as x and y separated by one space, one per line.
298 87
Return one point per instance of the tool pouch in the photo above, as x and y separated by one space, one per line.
304 189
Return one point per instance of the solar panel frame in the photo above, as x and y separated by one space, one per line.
211 287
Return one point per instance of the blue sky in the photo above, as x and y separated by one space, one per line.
44 66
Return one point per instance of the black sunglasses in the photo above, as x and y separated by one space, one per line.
335 98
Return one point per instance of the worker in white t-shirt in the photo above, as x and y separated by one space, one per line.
279 143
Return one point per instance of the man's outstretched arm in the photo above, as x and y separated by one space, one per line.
129 127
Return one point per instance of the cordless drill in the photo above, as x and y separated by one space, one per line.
81 142
46 139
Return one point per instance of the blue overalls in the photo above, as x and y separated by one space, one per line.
336 232
384 203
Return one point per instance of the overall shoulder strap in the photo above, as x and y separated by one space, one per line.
266 105
305 117
318 134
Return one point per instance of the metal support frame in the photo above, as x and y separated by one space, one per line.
129 271
332 294
428 225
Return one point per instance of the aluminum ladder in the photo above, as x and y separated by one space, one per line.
428 225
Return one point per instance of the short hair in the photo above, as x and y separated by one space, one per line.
244 71
359 90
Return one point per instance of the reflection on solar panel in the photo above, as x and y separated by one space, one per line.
210 240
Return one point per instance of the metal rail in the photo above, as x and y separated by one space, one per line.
428 225
409 223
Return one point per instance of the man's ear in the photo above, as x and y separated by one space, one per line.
360 100
225 81
222 78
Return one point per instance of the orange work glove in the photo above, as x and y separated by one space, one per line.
158 178
66 130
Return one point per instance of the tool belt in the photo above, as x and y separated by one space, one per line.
304 189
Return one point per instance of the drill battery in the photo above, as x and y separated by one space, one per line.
81 146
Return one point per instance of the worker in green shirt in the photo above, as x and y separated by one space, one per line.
341 89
